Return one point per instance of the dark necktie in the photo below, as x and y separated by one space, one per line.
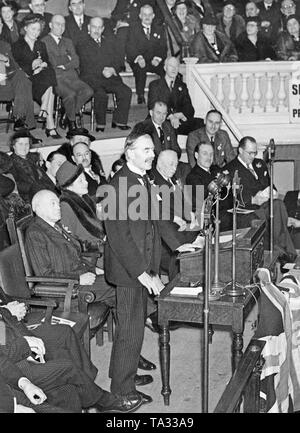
58 40
171 85
161 136
98 42
212 141
80 24
147 32
252 171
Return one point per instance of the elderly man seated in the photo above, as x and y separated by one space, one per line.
54 251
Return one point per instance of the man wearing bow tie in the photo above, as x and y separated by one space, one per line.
146 49
132 259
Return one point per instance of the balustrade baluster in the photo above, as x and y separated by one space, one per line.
220 91
281 92
269 107
257 94
232 93
244 94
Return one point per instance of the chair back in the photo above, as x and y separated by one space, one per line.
17 235
12 273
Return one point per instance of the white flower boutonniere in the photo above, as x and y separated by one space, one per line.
219 147
180 89
168 138
155 35
258 165
222 153
185 29
134 5
226 172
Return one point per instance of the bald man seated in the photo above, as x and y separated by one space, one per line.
53 251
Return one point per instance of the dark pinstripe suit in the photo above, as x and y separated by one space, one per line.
133 247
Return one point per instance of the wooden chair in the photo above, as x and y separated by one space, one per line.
80 299
91 111
15 284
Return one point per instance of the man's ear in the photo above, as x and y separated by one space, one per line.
151 113
48 164
74 159
196 155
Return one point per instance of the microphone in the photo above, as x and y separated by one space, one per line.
222 180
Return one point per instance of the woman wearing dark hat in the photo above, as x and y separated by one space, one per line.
187 24
288 43
26 166
212 46
252 45
11 27
31 54
78 210
229 22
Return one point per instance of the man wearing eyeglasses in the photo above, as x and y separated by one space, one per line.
255 193
39 7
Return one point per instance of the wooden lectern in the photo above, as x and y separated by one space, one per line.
250 256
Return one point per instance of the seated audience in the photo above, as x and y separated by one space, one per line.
229 22
127 11
287 8
65 62
26 167
292 203
38 7
99 68
269 14
146 49
11 28
31 54
188 24
174 92
164 174
212 46
52 250
82 155
160 129
78 210
82 135
18 87
252 45
65 378
211 133
255 194
76 22
288 43
54 160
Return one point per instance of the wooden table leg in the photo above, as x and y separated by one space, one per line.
164 351
237 349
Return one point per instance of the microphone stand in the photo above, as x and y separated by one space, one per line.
217 285
234 288
208 295
271 154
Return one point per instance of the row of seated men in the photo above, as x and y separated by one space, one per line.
64 56
53 237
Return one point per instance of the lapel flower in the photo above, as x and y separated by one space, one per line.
158 36
265 173
258 165
222 153
219 147
155 35
185 29
225 171
134 5
168 138
180 89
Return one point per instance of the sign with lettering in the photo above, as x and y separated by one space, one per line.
294 100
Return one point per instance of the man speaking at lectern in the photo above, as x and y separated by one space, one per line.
255 193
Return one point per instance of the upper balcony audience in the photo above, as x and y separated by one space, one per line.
270 15
172 90
31 54
146 49
99 68
76 22
229 22
63 58
288 43
187 23
252 45
212 46
126 12
38 7
11 27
